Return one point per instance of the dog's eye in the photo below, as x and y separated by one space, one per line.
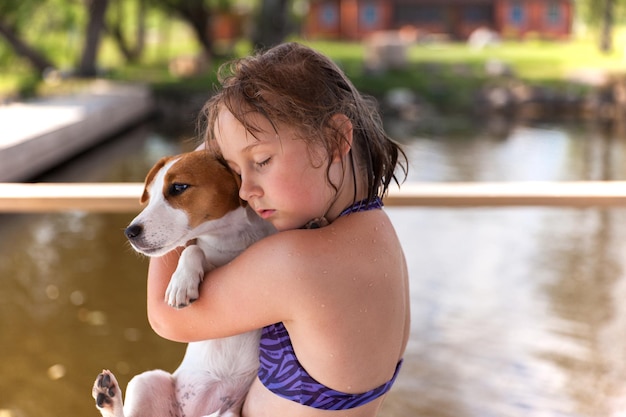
177 189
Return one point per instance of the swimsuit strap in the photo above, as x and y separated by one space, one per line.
363 205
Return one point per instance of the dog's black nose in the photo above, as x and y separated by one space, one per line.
133 231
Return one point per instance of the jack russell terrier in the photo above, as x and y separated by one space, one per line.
193 201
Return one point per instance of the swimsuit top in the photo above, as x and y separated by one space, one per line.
281 372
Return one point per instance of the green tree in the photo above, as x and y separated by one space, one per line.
272 23
601 16
14 19
96 11
197 13
21 30
115 27
606 31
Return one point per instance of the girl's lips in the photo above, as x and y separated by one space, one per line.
265 214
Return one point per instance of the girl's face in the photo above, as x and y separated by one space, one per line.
282 178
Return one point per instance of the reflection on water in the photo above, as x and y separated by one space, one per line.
516 311
72 293
520 153
70 303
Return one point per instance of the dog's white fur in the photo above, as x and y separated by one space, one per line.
214 375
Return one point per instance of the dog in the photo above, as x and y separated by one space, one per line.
192 201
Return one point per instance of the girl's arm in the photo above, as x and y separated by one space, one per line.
234 298
160 272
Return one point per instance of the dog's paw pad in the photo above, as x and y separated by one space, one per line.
106 390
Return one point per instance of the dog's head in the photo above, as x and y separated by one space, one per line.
184 195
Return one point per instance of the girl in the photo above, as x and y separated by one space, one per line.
330 290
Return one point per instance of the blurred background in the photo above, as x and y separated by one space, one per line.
516 311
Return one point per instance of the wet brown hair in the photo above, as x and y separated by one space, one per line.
294 85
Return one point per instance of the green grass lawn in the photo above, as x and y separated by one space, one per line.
430 65
447 73
540 60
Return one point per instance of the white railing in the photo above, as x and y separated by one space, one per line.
124 197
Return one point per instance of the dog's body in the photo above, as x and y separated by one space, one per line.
192 201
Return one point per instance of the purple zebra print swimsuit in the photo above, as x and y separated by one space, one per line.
281 372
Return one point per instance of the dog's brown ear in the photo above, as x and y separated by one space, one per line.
237 178
151 174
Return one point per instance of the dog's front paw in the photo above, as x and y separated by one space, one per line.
184 286
107 393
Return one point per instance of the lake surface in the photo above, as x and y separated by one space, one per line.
515 311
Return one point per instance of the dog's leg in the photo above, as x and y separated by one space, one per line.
108 395
228 409
185 282
232 401
150 394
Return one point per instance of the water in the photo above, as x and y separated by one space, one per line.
515 311
72 293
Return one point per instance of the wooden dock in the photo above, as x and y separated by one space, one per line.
41 134
124 197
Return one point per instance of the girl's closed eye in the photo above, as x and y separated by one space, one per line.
263 162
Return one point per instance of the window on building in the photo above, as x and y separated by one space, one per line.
553 13
516 16
369 16
329 15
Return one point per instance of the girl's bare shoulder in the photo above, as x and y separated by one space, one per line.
343 235
362 244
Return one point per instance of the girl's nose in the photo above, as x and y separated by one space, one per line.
248 189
